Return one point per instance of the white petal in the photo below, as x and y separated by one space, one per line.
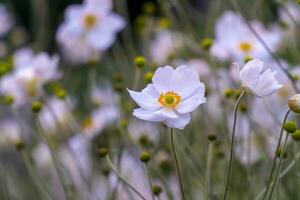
184 81
180 122
161 78
168 113
267 84
148 115
112 23
190 104
73 11
144 99
101 40
250 73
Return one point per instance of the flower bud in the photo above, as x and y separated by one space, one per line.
206 43
61 93
103 152
148 77
296 135
298 2
36 106
123 123
290 126
156 189
228 93
145 157
20 145
279 152
149 8
105 170
8 99
145 141
140 61
164 23
294 103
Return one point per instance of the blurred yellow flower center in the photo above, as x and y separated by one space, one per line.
90 21
245 46
87 123
169 99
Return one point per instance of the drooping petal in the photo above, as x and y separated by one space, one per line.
161 78
250 73
179 122
144 99
148 115
267 84
190 104
184 81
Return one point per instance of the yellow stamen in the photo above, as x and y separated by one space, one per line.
169 99
90 21
245 46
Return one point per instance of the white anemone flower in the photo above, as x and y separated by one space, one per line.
256 81
92 21
172 96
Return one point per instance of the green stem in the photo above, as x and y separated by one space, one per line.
275 154
208 169
232 142
279 165
149 180
122 178
177 165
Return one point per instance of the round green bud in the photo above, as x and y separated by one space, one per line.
144 140
149 8
294 103
145 157
61 93
211 137
103 152
243 107
290 126
206 43
118 78
148 77
247 59
296 135
105 170
8 99
279 152
36 106
140 61
166 167
20 145
119 87
228 93
156 190
164 23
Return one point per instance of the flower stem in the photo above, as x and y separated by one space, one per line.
275 154
122 178
279 165
177 165
208 169
149 179
232 142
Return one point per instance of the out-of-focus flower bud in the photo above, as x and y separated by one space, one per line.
156 189
296 135
290 126
206 43
294 103
149 8
103 152
145 157
148 77
164 23
212 137
228 93
279 152
8 99
36 106
140 61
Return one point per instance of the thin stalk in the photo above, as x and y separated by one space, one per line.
279 165
177 165
122 178
208 168
275 154
149 180
232 142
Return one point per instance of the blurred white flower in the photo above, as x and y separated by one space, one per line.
234 40
288 13
10 132
256 81
105 113
172 96
164 44
29 75
6 20
22 57
90 27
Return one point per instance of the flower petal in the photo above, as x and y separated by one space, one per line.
167 112
250 73
184 81
190 104
144 99
100 39
148 115
267 84
161 78
180 122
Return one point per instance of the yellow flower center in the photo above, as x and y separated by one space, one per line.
87 123
90 21
169 99
245 46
